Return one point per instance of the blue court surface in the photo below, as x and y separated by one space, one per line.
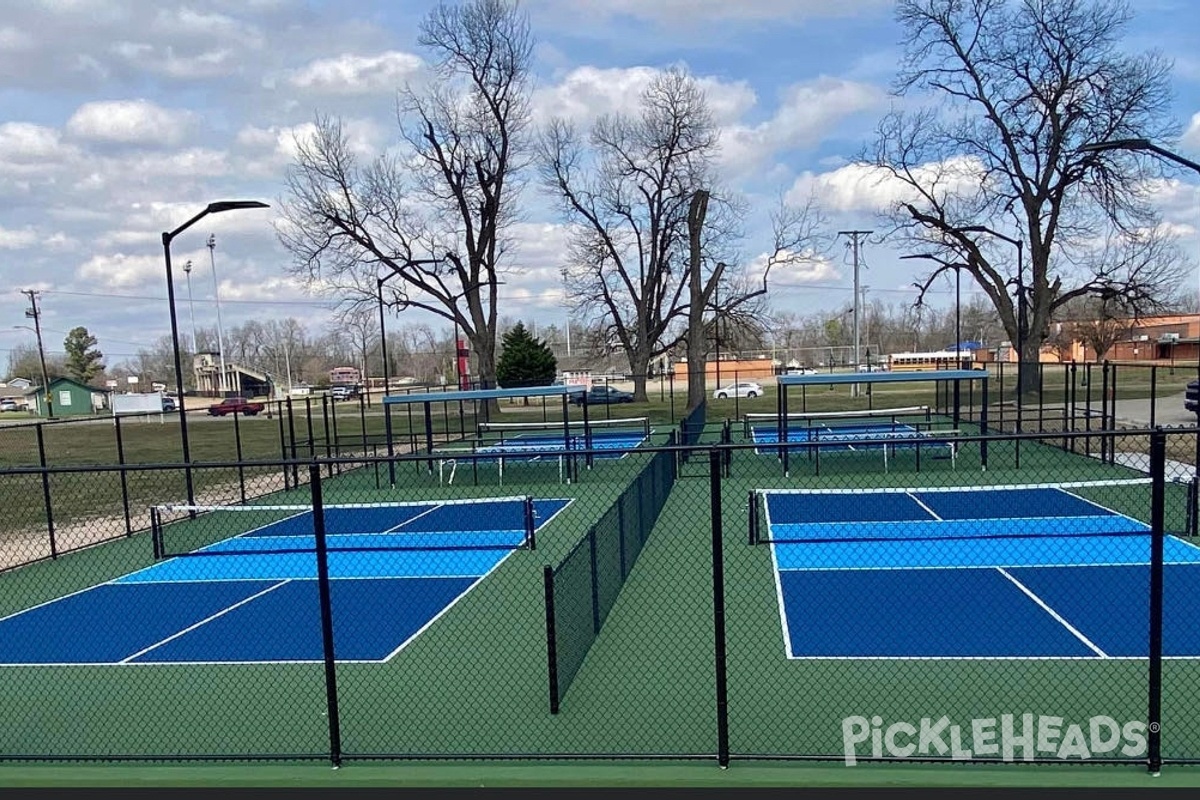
848 438
252 596
539 447
993 572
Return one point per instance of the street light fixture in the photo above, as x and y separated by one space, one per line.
222 382
167 237
187 270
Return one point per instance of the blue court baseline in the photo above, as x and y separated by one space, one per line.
262 606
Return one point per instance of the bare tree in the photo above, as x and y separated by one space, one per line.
1098 322
1022 86
435 214
652 234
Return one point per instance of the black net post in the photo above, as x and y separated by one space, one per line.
1158 457
752 517
551 637
331 693
718 575
156 533
530 524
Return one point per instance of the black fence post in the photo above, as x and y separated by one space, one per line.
1158 456
283 449
41 445
312 453
1153 391
718 567
124 477
337 447
1112 450
1105 441
391 448
595 581
237 447
292 436
326 402
331 693
551 637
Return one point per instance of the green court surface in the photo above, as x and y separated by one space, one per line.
474 685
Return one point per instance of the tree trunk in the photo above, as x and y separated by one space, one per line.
485 361
639 382
697 385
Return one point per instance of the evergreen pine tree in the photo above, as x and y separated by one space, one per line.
524 360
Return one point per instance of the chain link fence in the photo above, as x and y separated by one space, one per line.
949 597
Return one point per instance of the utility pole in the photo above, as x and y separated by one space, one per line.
36 315
854 245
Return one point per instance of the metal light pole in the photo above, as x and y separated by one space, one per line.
187 270
212 246
167 238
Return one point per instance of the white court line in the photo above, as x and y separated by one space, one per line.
783 621
1059 617
931 512
204 621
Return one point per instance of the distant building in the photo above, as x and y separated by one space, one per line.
68 398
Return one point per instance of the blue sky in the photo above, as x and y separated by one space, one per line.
125 117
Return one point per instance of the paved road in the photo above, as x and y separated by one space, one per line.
1168 410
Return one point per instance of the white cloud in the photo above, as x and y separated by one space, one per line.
129 122
862 187
24 142
675 12
806 114
121 270
587 93
11 239
354 74
1191 137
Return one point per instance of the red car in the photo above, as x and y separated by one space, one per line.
239 405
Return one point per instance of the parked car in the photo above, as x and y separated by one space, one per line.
343 392
168 403
235 404
742 389
8 404
1191 400
601 395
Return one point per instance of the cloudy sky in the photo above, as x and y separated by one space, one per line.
123 118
